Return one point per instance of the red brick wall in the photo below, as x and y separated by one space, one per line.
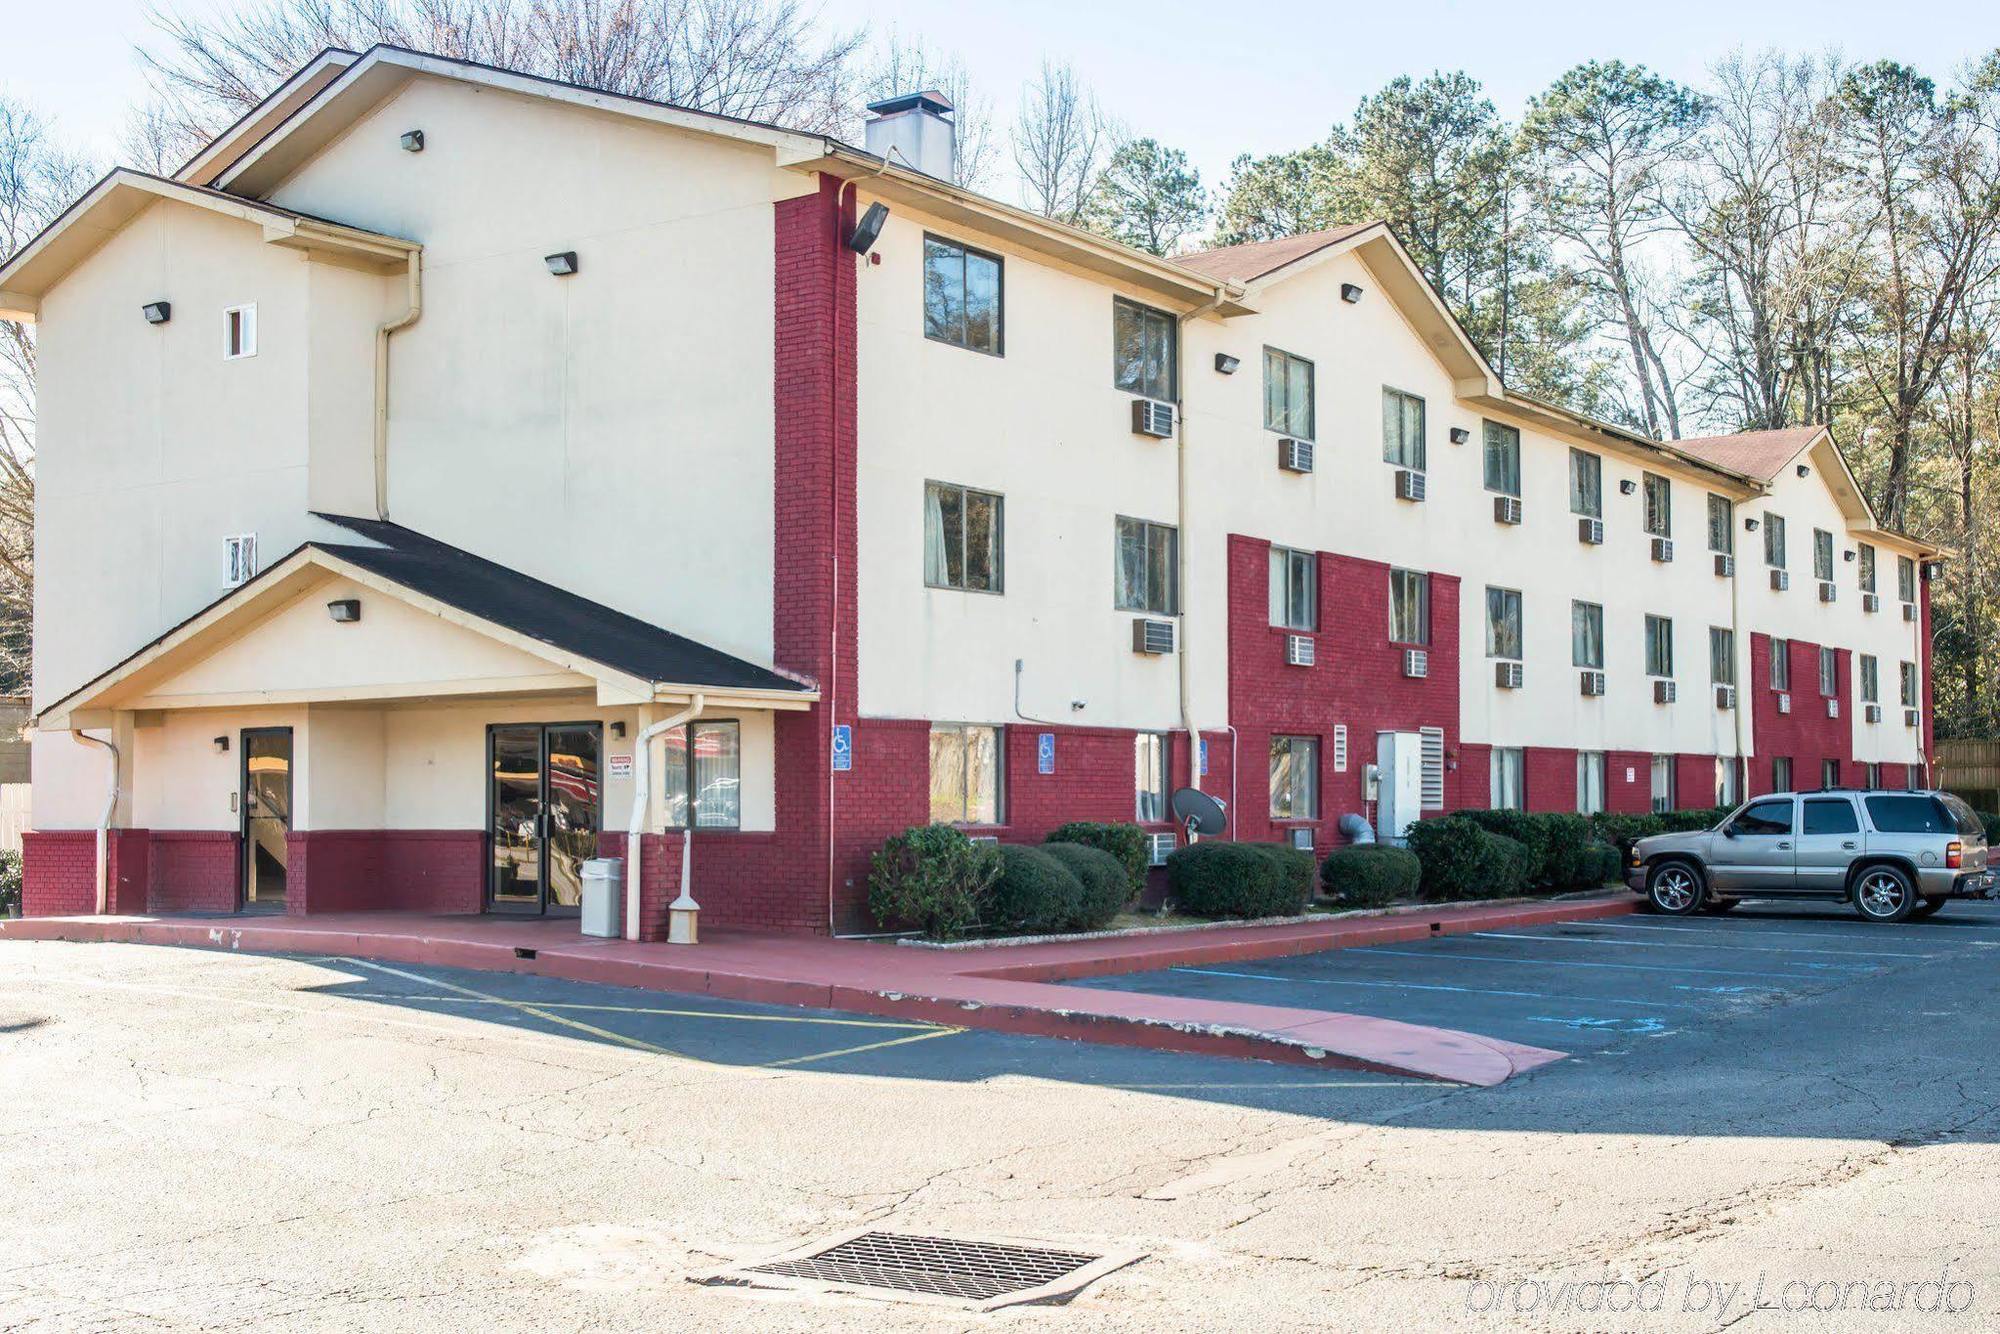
365 870
1806 734
194 870
58 872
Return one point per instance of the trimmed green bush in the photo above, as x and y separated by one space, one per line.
1035 892
10 883
1106 888
1240 879
1125 842
1527 830
1603 864
1555 841
1462 860
933 878
1688 821
1622 831
1369 875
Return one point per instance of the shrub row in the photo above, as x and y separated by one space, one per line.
1624 830
1369 875
935 879
1220 879
1126 842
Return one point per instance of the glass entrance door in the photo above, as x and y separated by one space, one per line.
546 802
267 815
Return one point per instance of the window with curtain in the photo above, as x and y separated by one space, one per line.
1829 777
1822 555
1722 655
1829 672
1906 579
1659 505
1721 524
712 769
1871 775
1774 540
1871 682
1586 635
1288 394
1781 773
961 296
1142 349
1909 685
1589 782
1586 484
1403 430
965 773
1503 623
1294 589
1659 646
1503 459
1409 607
1148 573
1294 778
962 538
1663 783
1867 561
1725 781
1508 773
1149 777
1781 664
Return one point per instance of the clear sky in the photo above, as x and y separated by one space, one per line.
1215 78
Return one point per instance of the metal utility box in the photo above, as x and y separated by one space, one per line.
604 897
1399 759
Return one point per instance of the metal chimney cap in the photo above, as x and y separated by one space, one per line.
932 101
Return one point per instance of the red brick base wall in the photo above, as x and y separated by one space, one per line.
194 870
361 870
58 872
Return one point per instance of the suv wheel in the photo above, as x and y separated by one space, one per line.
1719 905
1884 894
1927 906
1674 888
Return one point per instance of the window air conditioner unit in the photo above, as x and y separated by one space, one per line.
1590 532
1302 839
1593 683
1784 701
1909 717
1158 847
1409 484
1507 675
1871 713
1827 591
1725 565
985 838
1909 611
1780 580
1725 697
1663 549
1152 636
1506 509
1663 692
1832 707
1152 417
1416 663
1870 602
1299 650
1295 455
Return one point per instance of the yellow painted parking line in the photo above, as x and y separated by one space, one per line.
866 1046
650 1009
637 1044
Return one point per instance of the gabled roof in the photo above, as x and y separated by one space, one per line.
1761 455
1252 260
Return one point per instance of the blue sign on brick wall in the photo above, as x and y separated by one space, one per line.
1045 753
1204 755
843 748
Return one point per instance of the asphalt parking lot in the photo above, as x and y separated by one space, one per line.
1600 986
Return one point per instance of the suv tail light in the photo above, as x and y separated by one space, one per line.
1954 853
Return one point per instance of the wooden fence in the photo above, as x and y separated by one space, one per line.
13 815
1972 770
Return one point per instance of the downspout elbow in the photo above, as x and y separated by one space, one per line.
104 822
635 825
412 313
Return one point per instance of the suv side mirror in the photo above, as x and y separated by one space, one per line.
1729 830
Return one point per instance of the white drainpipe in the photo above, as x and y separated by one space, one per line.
104 824
405 320
683 913
1181 518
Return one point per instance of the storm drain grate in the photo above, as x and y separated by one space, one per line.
977 1272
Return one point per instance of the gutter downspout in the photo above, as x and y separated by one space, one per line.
104 823
1181 527
1746 686
410 316
635 826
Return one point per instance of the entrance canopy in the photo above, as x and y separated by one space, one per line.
402 616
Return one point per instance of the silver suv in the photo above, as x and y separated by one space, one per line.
1893 855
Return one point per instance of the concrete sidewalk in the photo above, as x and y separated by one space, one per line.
1013 989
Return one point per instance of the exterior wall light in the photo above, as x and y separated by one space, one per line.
413 141
1847 554
157 312
345 610
1226 364
222 745
1350 293
618 730
561 265
1749 525
1804 471
869 229
1459 435
1627 487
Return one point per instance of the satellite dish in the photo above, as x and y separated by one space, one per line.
1198 812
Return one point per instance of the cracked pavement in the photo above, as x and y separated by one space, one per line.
203 1140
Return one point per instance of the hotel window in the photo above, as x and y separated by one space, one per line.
1148 573
712 769
962 296
1829 777
1288 394
1294 778
1409 607
1906 579
1663 783
1781 664
965 774
1774 540
1294 589
1829 672
1721 655
239 332
1403 429
962 538
1867 559
1503 623
1586 484
1659 505
1822 555
1508 772
1871 679
1721 525
1659 646
1871 775
1149 777
1142 349
1586 635
1725 781
1908 682
1781 773
1589 782
1503 459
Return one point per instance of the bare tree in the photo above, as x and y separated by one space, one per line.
912 67
1061 139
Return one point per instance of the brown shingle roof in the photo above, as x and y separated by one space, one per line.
1253 259
1758 454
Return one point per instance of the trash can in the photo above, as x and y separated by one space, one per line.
604 897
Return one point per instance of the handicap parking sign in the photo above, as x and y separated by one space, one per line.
1045 753
1204 755
843 748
